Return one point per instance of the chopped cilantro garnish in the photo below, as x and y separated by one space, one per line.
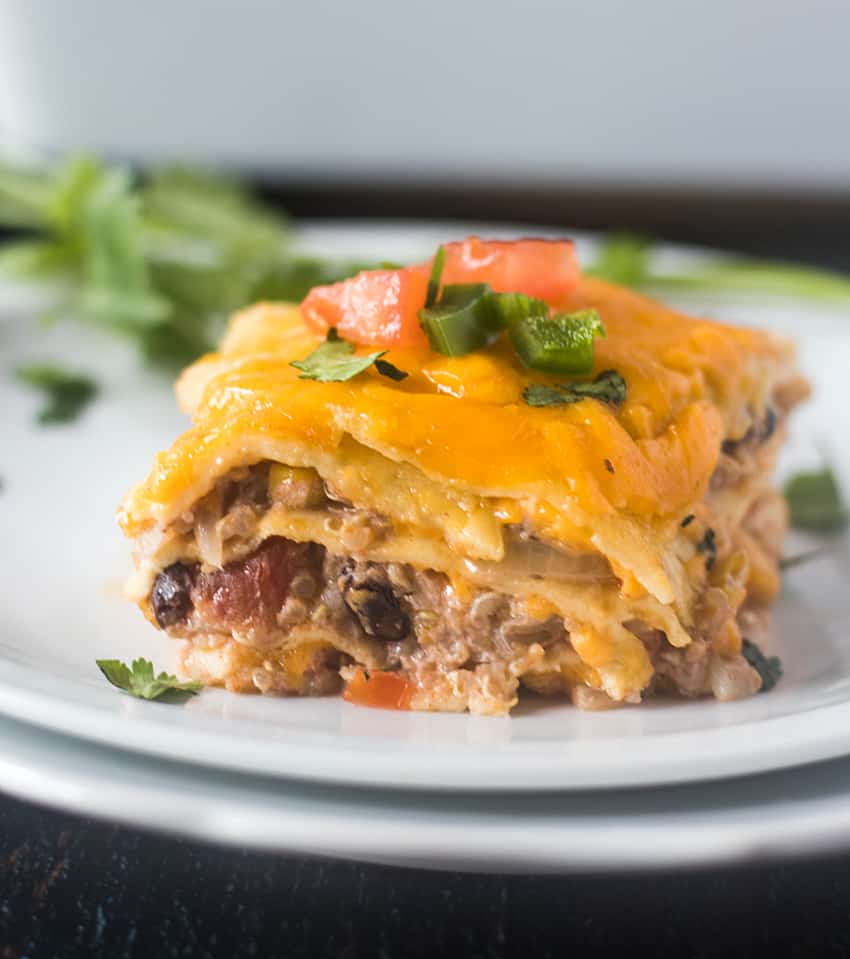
539 394
159 260
390 370
66 394
139 680
768 667
609 387
815 501
334 361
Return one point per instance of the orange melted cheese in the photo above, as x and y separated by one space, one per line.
588 475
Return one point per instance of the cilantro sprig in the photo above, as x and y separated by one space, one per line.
160 260
140 681
66 394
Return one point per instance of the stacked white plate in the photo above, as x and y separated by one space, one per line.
550 788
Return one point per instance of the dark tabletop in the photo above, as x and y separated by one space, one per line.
74 887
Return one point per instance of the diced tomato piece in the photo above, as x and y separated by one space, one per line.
547 269
380 307
374 307
379 689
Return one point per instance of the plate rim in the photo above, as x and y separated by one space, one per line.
142 792
797 740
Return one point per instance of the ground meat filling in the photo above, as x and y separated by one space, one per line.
393 616
385 615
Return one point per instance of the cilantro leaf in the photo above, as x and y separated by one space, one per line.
540 395
768 667
116 289
139 680
334 361
815 501
609 387
32 259
67 394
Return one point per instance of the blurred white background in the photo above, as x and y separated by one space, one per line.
726 92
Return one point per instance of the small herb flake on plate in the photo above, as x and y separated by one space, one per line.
768 667
139 680
815 501
67 394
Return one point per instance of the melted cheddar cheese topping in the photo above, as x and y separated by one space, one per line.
454 450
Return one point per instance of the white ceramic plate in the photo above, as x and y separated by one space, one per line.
736 821
63 562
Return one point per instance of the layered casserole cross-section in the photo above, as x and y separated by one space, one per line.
429 534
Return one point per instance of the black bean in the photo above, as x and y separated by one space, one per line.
731 447
759 432
378 612
170 598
